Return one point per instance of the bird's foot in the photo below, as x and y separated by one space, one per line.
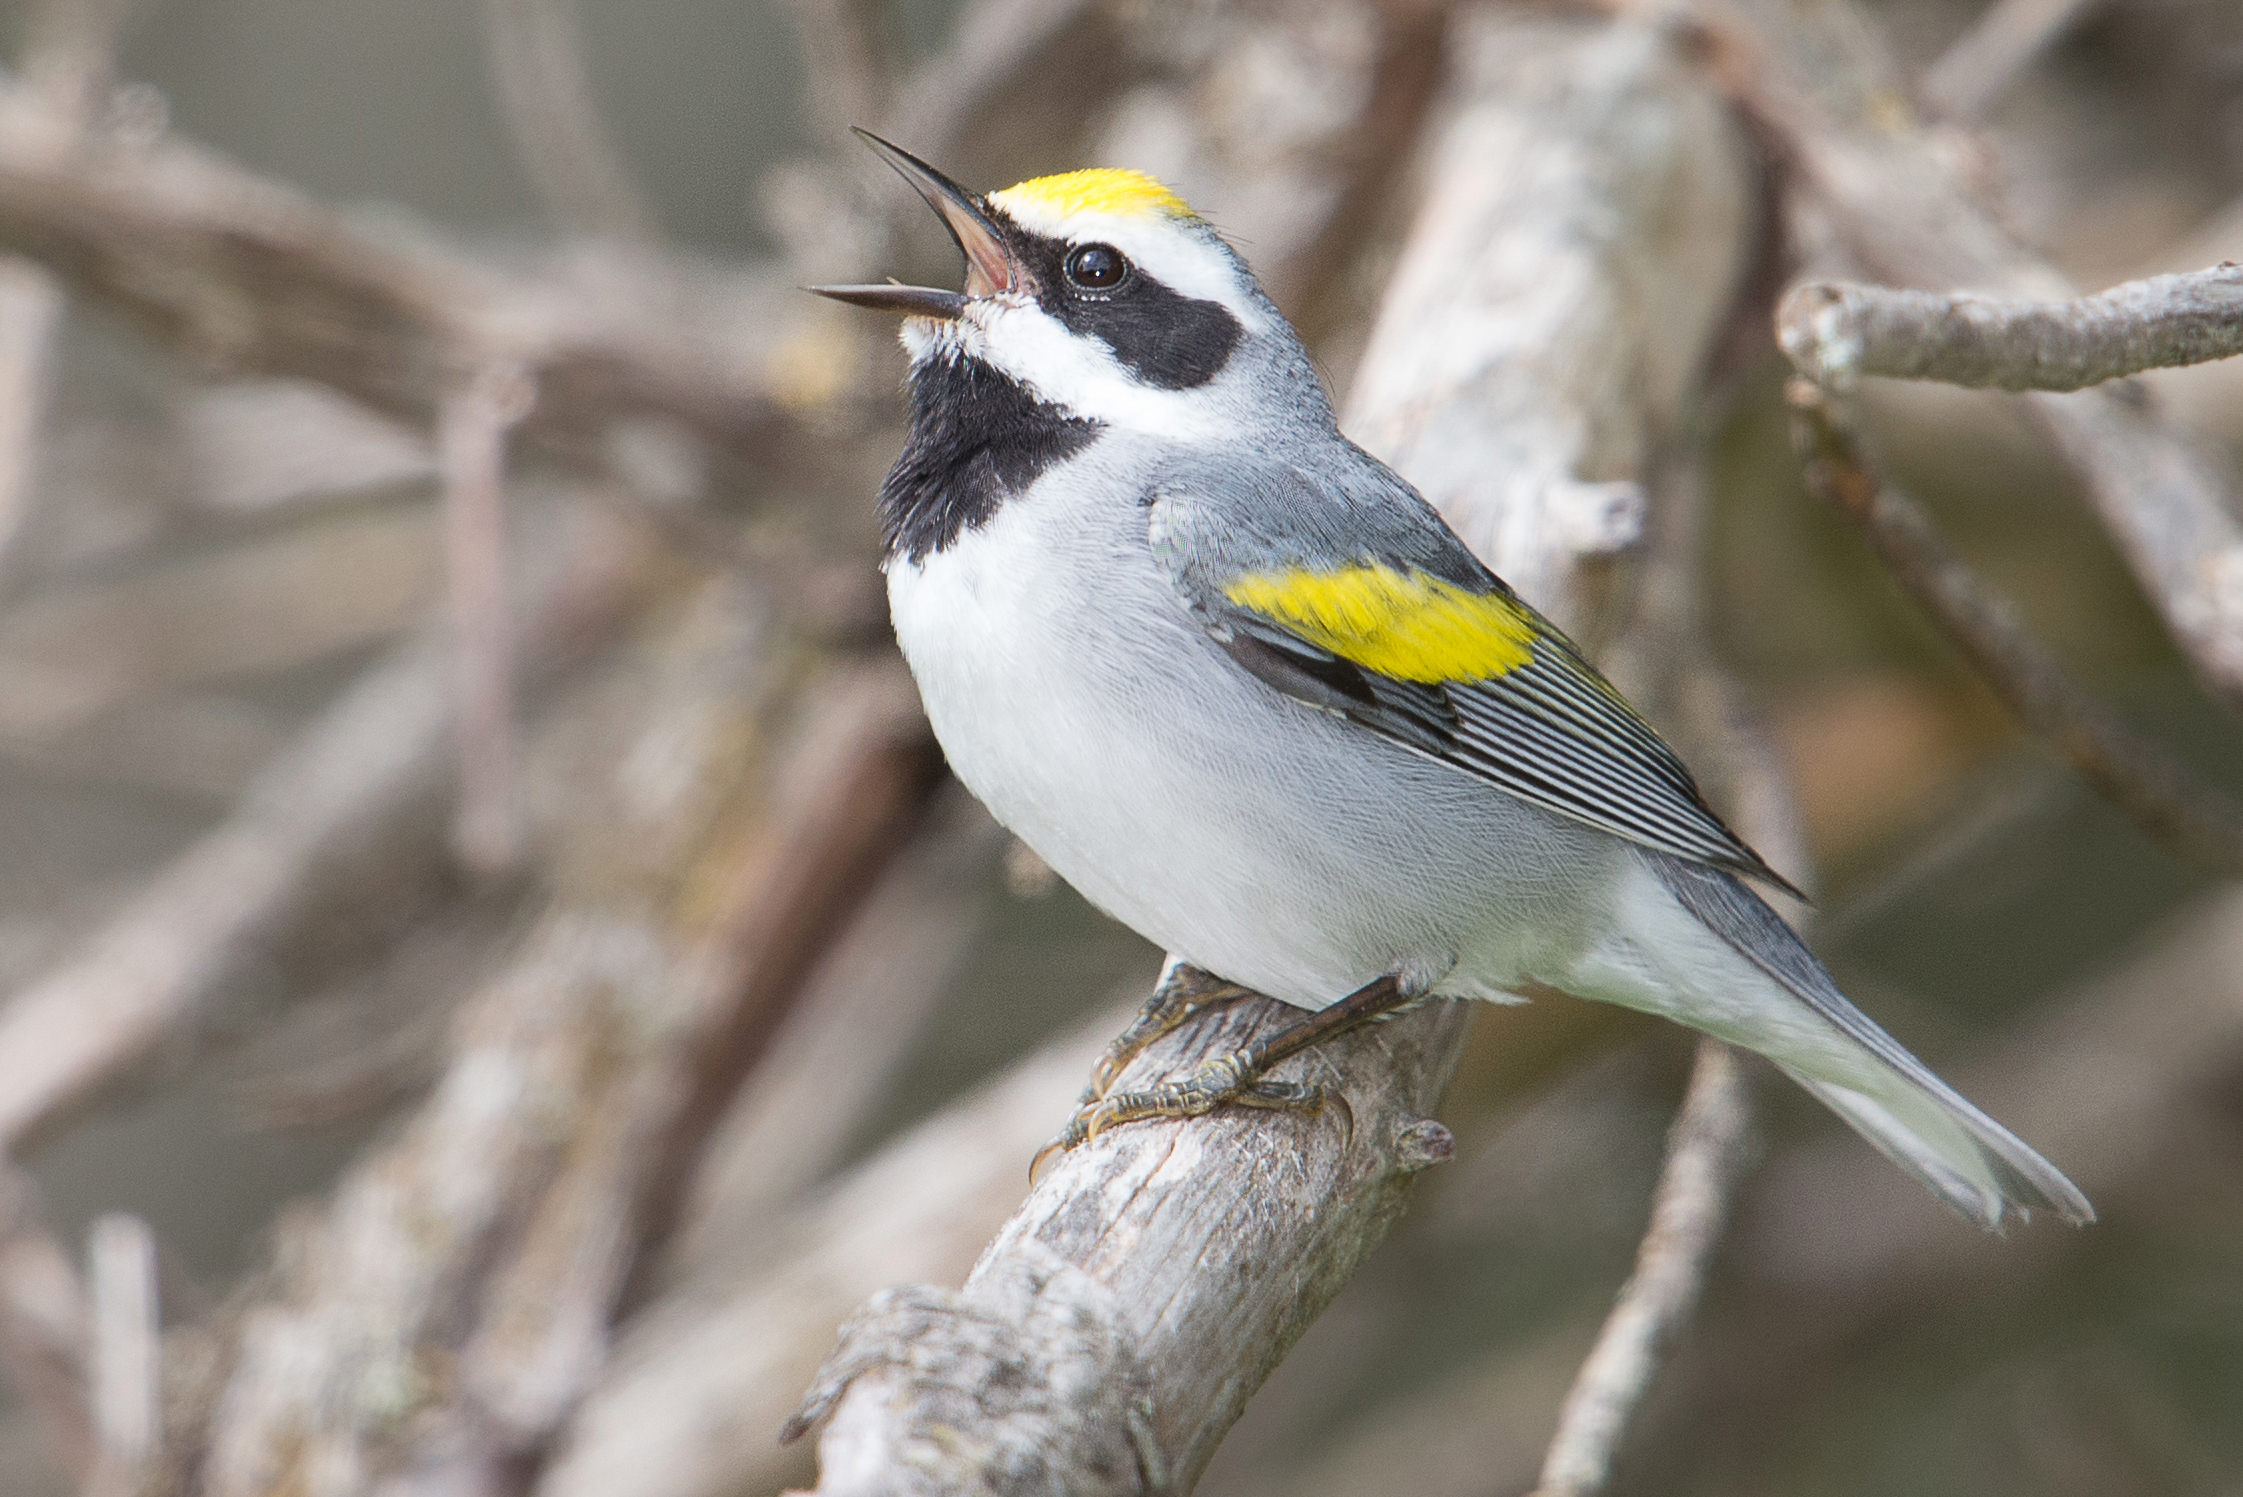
1183 990
1232 1079
1235 1077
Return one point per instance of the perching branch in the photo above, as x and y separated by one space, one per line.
1838 332
2159 792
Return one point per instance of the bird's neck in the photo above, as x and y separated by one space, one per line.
977 438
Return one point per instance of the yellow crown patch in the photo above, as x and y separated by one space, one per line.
1402 624
1128 194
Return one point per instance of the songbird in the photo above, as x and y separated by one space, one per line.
1238 683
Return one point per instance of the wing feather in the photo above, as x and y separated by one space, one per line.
1428 648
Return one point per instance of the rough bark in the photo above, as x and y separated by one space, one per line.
1838 333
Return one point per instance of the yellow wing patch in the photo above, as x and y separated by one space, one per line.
1406 625
1129 194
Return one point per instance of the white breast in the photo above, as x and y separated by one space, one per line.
1249 834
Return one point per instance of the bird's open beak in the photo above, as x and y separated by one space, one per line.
989 265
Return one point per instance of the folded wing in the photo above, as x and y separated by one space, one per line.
1432 650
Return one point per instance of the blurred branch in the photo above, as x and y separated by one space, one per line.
31 310
547 103
1878 196
2138 776
991 43
1837 333
2008 35
498 1233
1704 1158
69 62
845 59
125 1362
44 1324
363 776
252 277
471 431
827 1071
1111 1333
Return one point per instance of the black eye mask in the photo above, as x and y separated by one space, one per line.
1168 340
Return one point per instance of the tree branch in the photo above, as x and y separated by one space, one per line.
1705 1154
125 1363
546 101
250 276
2136 775
1981 64
1837 332
350 787
1881 197
471 431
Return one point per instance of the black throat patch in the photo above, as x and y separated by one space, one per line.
977 438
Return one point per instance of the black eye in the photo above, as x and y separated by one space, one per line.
1097 267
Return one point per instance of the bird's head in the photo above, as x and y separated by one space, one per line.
1104 294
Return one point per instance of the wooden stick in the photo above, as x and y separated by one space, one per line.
125 1363
1837 332
471 431
2163 796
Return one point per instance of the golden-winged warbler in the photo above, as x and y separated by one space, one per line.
1235 681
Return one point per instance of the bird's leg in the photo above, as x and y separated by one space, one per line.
1236 1077
1183 990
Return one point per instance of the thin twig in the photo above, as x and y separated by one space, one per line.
1837 332
31 307
1704 1157
471 432
1978 68
69 60
2139 777
43 1325
845 57
125 1361
1879 196
546 99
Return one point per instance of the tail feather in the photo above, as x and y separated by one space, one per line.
1967 1159
1917 1120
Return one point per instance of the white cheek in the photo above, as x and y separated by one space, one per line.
1083 375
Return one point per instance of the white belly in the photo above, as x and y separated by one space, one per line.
1253 836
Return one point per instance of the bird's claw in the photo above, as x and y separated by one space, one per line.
1222 1080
